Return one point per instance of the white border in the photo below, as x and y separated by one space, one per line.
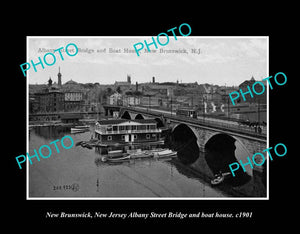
140 198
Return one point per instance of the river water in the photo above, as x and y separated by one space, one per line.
78 172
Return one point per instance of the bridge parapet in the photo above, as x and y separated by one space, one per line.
215 124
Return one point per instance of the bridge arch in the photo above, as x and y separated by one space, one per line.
126 115
160 122
210 152
139 116
221 150
184 140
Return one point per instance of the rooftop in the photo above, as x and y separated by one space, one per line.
119 121
70 116
122 83
71 82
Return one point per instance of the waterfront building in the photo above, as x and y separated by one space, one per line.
51 101
73 100
70 117
33 103
127 131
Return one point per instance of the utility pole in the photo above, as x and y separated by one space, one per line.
203 99
228 107
148 103
171 106
258 112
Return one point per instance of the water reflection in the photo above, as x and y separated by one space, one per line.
50 132
148 177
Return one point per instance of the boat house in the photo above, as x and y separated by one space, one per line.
127 131
70 117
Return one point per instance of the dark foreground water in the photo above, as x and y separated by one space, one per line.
79 172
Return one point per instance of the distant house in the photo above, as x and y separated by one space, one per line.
205 91
158 89
150 101
246 83
115 99
225 91
124 85
71 85
183 101
130 100
73 100
258 88
217 97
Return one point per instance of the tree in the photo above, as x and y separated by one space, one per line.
119 89
108 91
105 94
137 93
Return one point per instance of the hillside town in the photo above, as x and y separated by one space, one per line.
205 99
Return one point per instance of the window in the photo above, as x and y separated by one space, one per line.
143 127
123 137
134 127
115 128
109 138
152 126
148 136
109 128
122 128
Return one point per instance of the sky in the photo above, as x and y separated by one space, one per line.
218 60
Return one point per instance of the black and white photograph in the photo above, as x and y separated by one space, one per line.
116 117
148 118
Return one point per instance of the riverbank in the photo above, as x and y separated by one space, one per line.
59 123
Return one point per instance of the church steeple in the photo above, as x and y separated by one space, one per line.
49 82
59 77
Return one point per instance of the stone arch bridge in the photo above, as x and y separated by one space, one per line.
208 147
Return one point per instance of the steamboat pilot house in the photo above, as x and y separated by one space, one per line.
127 131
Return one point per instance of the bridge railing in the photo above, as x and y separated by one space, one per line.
226 126
230 126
